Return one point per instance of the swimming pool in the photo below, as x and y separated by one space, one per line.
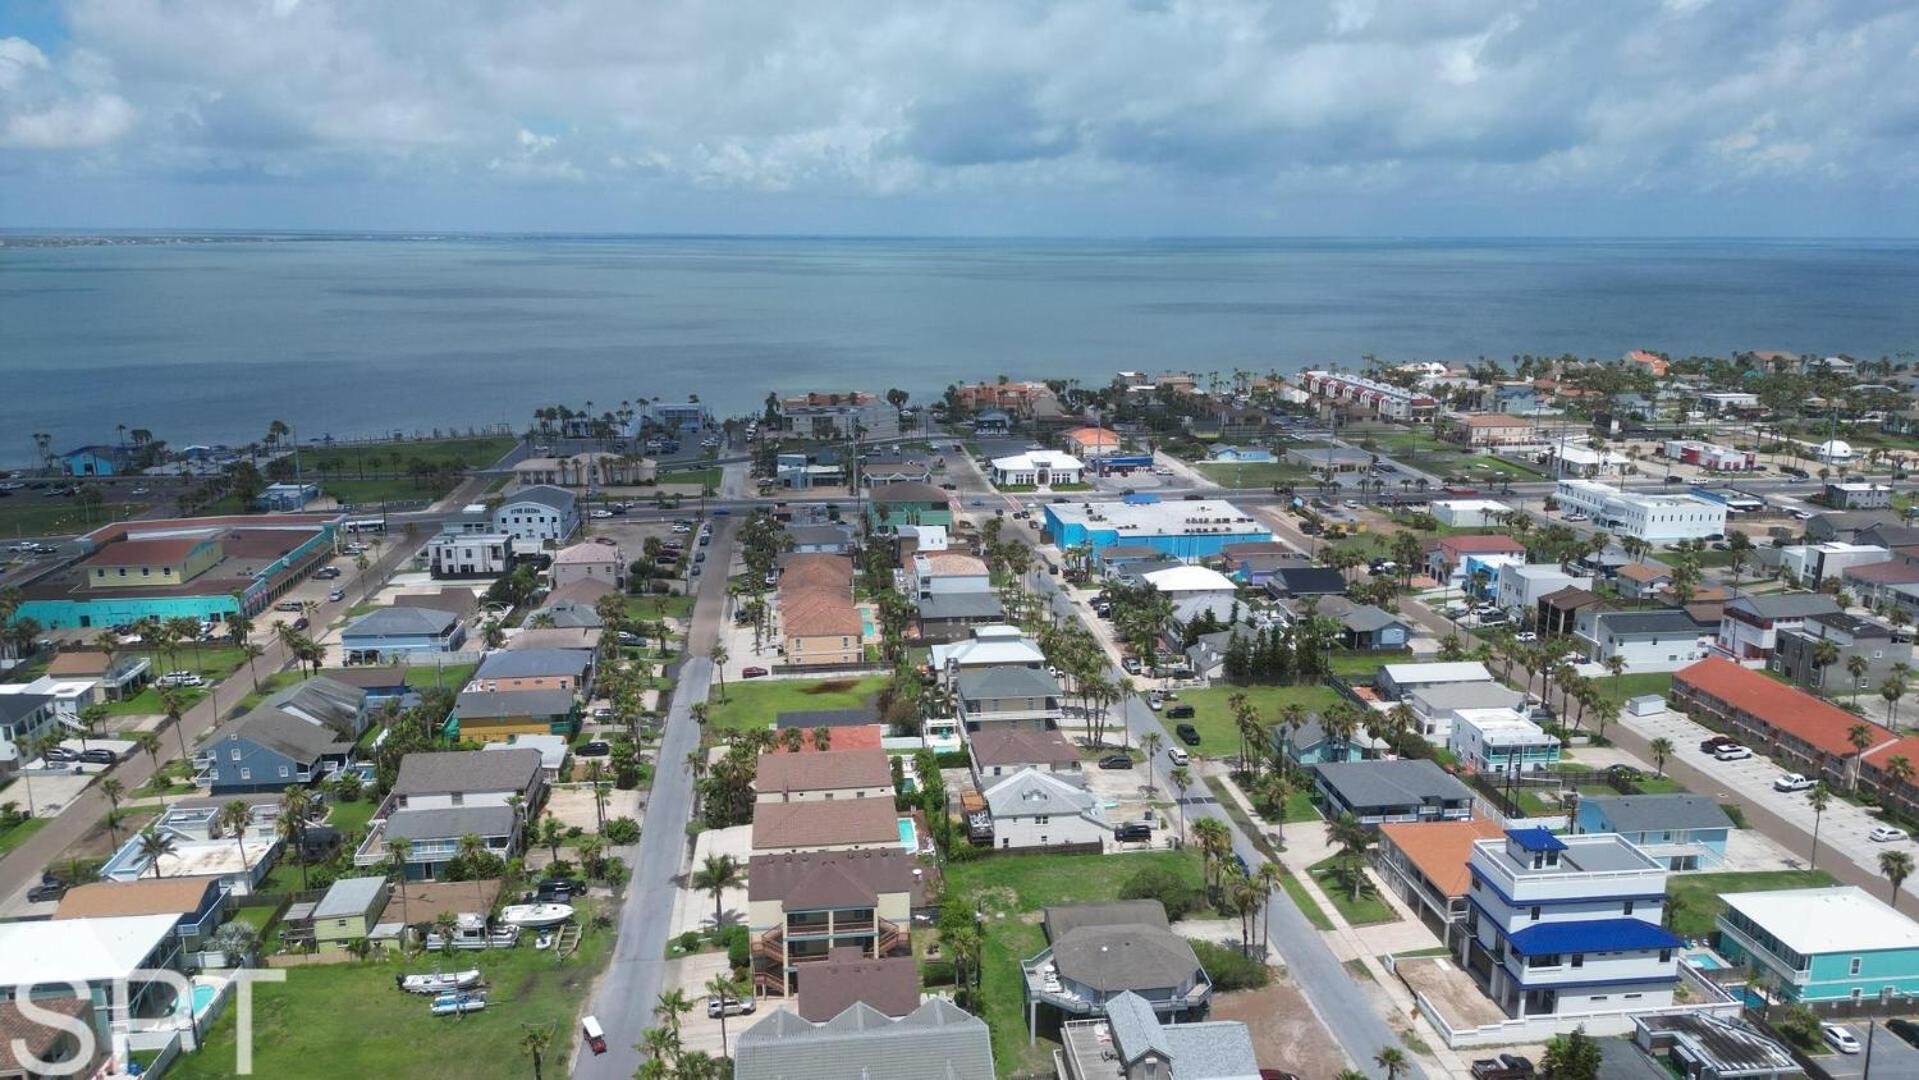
203 996
1706 960
909 836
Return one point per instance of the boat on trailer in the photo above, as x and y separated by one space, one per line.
456 1003
535 916
438 982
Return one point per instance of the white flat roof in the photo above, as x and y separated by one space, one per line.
1454 671
1487 505
1040 459
1844 918
79 950
1177 518
1190 579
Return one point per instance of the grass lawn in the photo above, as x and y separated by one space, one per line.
1368 910
351 817
18 834
1213 716
1619 688
351 1017
1303 900
147 702
450 676
655 607
259 917
212 661
753 705
376 490
41 516
1011 889
352 461
1698 894
1300 808
709 477
1254 473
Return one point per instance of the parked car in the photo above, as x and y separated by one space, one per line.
1840 1038
1885 834
717 1006
595 748
1116 761
98 756
1180 712
1734 752
754 673
1712 744
336 595
1905 1029
179 678
326 573
59 755
1155 701
1133 830
50 888
1131 665
1188 734
1792 781
300 623
1177 756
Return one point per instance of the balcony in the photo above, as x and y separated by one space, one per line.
1765 956
873 936
1043 984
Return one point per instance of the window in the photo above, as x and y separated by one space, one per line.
1535 914
1579 960
1634 997
235 754
1858 993
246 774
285 772
1853 968
1628 907
1665 955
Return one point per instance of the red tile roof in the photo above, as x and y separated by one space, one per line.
1480 544
147 552
1440 849
1813 721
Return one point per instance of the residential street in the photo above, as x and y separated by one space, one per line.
624 1001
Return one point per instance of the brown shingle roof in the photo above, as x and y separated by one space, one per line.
1645 573
367 678
890 984
832 878
425 900
815 825
830 770
1009 747
148 896
38 1039
78 662
1439 849
147 552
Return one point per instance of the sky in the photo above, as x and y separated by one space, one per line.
976 117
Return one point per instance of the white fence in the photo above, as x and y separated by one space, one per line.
1533 1029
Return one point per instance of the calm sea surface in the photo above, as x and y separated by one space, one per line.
210 341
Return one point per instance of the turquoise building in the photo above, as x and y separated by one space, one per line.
909 502
1185 530
1311 744
1823 944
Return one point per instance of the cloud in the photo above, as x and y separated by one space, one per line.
1236 105
42 108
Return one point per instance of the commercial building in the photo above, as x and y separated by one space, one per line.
1811 565
539 516
1709 456
1857 495
1038 468
1871 640
1657 519
1188 531
1370 396
457 553
1833 944
1682 830
206 569
1496 741
1801 732
1568 925
832 415
1468 513
1485 430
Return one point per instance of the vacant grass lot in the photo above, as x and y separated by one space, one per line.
1213 715
356 461
1254 473
1618 689
18 834
755 705
40 516
348 1020
1368 909
1011 890
701 478
1698 894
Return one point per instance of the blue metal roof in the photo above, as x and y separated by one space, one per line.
1140 499
1537 838
1592 935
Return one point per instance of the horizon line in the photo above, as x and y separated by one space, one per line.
237 232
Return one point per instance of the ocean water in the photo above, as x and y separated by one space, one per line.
211 339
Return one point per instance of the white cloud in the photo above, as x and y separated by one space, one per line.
1234 102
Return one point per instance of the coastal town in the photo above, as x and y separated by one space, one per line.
1490 719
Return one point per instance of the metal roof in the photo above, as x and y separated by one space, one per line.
532 664
1007 682
350 896
405 621
1366 784
448 771
451 823
937 1041
1537 838
1641 813
1593 935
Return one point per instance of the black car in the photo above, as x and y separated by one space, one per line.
1188 734
1133 830
1116 761
557 890
1905 1029
301 623
596 748
1518 1063
1711 745
1180 712
50 888
1623 772
98 757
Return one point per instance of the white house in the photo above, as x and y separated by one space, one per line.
1500 741
1660 639
1195 589
1522 586
990 646
541 514
1658 519
943 573
598 559
1810 564
456 554
1033 809
1568 925
1038 468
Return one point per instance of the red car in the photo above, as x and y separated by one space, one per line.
754 673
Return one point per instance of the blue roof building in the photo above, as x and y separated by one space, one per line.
1568 925
96 460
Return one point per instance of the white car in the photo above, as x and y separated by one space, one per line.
1735 752
1525 635
1792 781
1840 1039
1155 701
1885 834
679 528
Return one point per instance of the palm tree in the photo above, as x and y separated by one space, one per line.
468 849
445 924
1151 742
1346 833
672 1005
398 849
1182 778
719 656
1860 736
113 789
149 741
156 845
1819 800
1892 690
1898 773
536 1041
296 805
1661 750
1392 1059
1857 666
726 988
1897 866
236 814
716 875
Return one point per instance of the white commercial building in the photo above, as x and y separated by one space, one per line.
1038 468
1522 586
1710 456
1656 519
1810 564
1395 681
1469 513
1381 398
1195 589
454 554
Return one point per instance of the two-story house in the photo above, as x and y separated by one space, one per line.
535 669
439 797
1834 944
1425 863
1034 809
598 559
272 750
1007 697
1663 639
1749 628
802 906
491 716
828 825
1685 831
1875 641
1568 925
823 776
999 753
198 904
1097 952
386 632
23 719
1132 1043
1377 792
541 515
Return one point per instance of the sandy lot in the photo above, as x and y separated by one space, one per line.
573 805
1286 1033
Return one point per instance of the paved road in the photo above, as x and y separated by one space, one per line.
624 1004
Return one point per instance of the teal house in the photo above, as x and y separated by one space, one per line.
1311 744
1823 944
910 502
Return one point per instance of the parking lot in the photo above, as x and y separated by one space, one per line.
1892 1056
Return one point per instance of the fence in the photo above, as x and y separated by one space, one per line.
1501 791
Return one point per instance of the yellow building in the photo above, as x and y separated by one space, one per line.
500 715
147 563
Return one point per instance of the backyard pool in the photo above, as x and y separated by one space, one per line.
909 836
1706 960
203 996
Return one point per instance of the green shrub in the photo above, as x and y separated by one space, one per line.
622 830
938 973
1229 968
1178 896
689 941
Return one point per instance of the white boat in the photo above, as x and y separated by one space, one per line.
439 982
534 916
544 941
451 1004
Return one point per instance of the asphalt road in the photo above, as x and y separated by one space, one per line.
633 979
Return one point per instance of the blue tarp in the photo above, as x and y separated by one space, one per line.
1536 838
1138 499
1592 936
